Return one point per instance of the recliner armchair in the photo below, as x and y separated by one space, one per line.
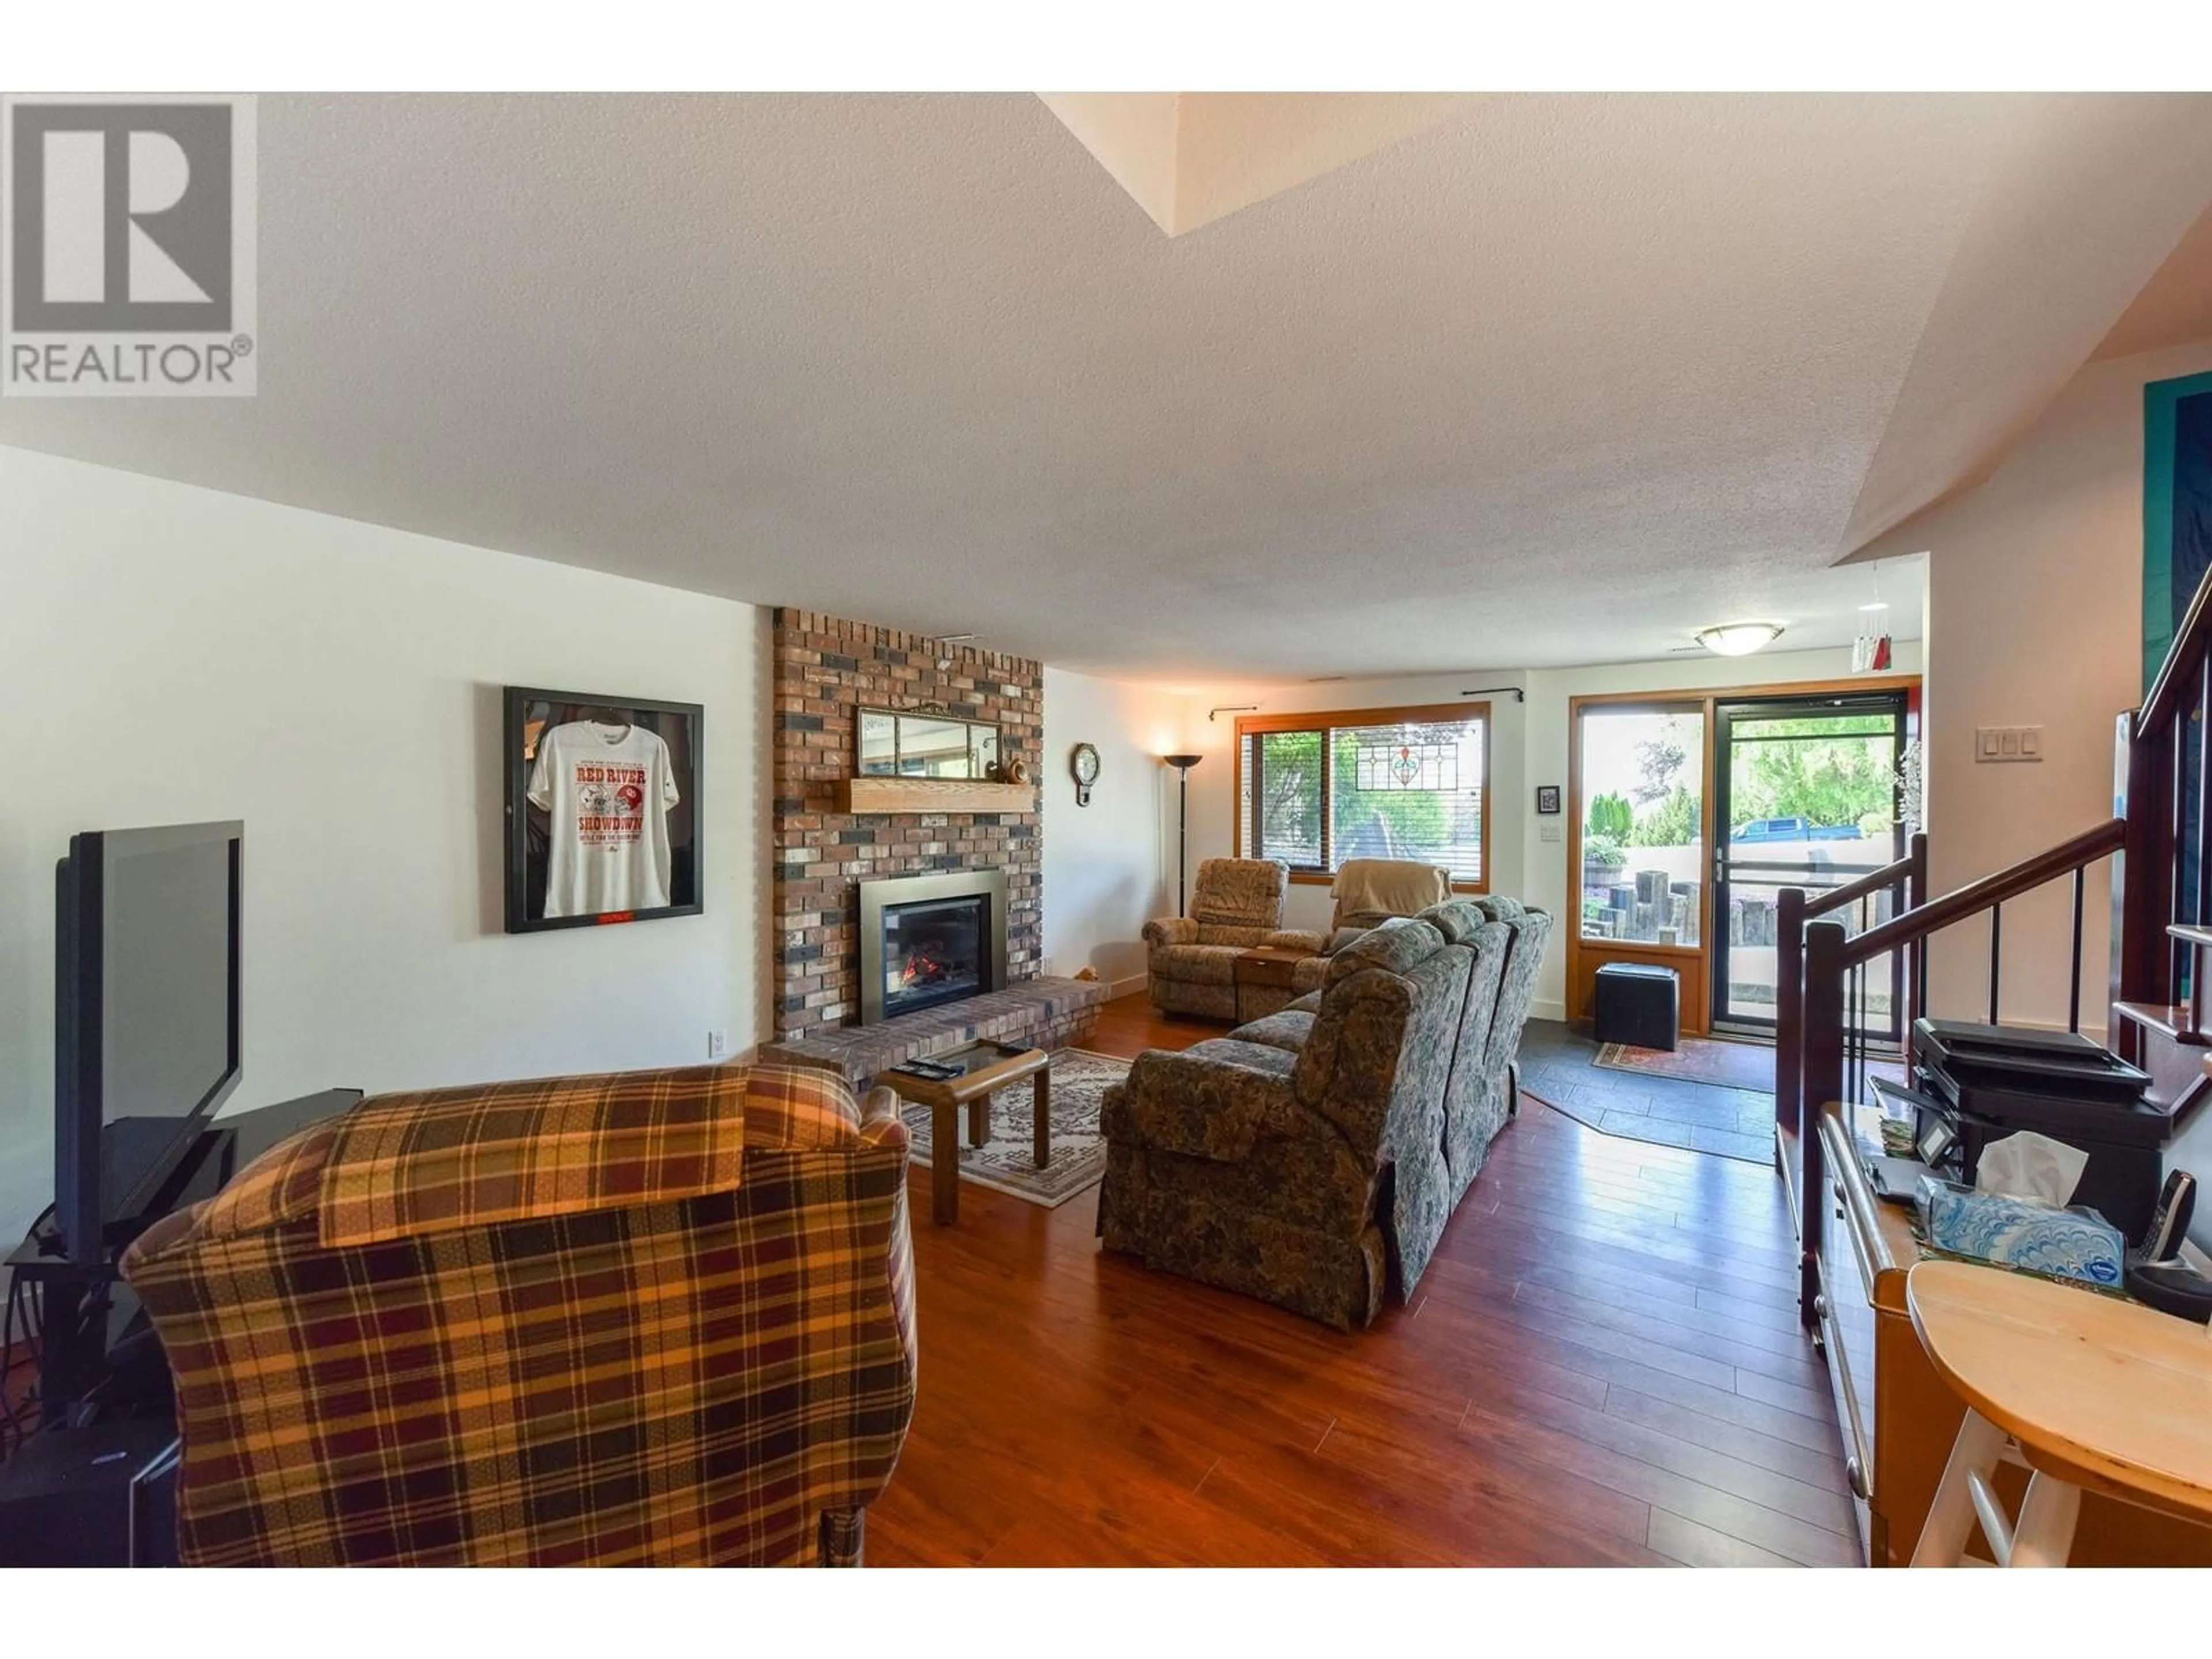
1369 892
1237 905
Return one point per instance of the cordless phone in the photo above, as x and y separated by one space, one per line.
2169 1222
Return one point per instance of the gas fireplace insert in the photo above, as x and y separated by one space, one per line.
927 940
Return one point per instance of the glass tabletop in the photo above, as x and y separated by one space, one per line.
968 1061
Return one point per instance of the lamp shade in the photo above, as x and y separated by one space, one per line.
1183 762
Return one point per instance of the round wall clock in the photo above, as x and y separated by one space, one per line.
1083 763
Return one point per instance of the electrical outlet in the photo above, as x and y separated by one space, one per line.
718 1040
2008 743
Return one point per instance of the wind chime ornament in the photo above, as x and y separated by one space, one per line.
1870 650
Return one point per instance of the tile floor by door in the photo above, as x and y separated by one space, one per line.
1559 1065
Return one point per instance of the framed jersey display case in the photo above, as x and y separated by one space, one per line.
602 809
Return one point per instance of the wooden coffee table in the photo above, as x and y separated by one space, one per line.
986 1067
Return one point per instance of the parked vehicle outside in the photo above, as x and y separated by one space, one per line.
1764 830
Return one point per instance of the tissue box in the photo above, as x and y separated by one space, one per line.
2070 1243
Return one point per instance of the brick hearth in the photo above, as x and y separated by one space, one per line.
1039 1013
825 668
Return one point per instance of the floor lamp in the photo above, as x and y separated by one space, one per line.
1182 764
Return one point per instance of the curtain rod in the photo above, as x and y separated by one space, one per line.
1519 696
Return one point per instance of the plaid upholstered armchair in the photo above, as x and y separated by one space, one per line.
649 1317
1236 904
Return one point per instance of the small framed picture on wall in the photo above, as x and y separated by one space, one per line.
1547 798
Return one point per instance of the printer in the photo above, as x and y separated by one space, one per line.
1981 1083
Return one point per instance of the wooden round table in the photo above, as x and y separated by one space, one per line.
2090 1393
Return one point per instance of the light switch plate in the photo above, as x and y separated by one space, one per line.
2008 743
1550 832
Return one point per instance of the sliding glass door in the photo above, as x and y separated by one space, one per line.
1806 796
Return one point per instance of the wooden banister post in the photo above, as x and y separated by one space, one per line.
1823 1049
1788 1008
2142 871
1916 895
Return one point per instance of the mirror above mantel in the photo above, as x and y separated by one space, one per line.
929 760
925 743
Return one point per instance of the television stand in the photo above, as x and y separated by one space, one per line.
86 1316
83 1485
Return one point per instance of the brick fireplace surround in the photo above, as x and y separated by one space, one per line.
825 668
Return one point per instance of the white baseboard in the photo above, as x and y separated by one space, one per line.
1548 1008
1123 987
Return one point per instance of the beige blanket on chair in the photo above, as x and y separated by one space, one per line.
1391 887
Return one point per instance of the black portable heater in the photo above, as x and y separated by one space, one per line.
1990 1081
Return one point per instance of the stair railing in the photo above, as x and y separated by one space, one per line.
2162 880
1832 1063
1906 880
2161 921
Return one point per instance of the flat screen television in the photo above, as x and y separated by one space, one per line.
147 1039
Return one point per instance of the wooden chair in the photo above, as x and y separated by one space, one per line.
2087 1392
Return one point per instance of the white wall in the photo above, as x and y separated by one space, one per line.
2035 618
1109 866
1529 747
172 654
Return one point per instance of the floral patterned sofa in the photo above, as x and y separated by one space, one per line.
1314 1156
1484 1080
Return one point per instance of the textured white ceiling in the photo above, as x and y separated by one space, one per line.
1188 158
1556 381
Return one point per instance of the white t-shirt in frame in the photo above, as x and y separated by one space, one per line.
607 789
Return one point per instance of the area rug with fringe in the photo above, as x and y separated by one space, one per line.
1006 1162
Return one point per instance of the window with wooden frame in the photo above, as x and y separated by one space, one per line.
1314 790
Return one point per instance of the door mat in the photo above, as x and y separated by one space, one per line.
1699 1060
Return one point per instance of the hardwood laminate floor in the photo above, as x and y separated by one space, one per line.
1602 1366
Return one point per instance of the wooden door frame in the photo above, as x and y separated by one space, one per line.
1583 956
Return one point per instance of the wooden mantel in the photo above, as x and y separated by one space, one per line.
883 794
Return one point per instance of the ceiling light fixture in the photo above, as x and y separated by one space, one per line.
1738 639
